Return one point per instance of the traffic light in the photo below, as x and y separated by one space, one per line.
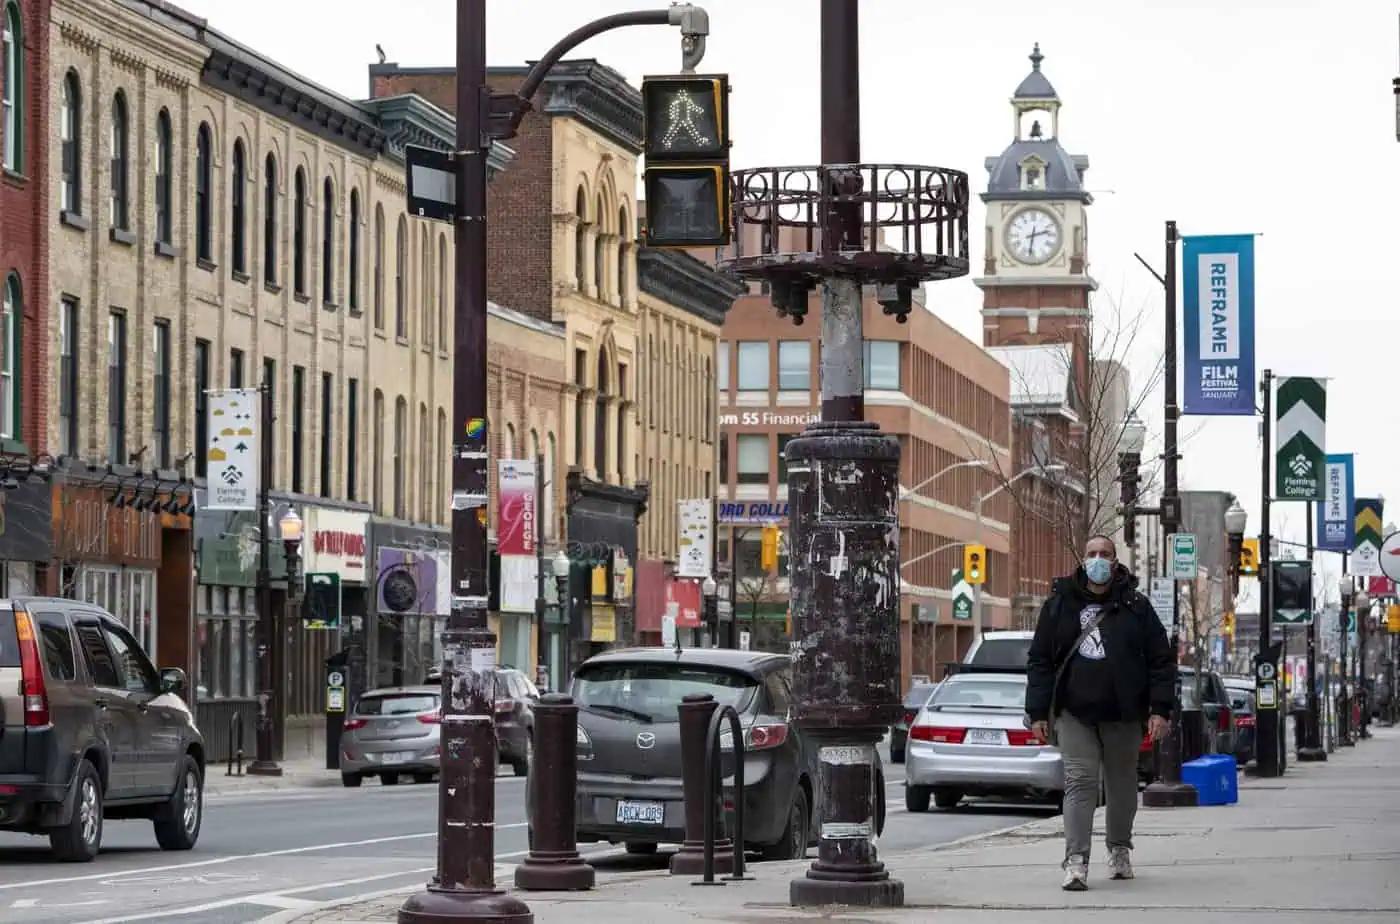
975 564
685 138
768 550
1249 557
1227 628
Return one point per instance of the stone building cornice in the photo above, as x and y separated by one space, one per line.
692 285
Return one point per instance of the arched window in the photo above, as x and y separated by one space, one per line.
11 394
400 445
624 234
354 251
299 234
441 457
425 465
549 486
203 198
443 330
377 467
580 239
508 447
425 295
121 160
164 202
600 419
270 220
12 92
328 243
238 210
70 130
600 258
401 279
378 246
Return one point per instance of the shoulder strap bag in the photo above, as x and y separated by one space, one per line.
1087 631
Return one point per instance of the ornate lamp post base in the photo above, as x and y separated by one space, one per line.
462 906
1170 791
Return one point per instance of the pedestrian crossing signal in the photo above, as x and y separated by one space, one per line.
685 138
1249 557
975 564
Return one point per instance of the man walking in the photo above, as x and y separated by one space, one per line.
1100 667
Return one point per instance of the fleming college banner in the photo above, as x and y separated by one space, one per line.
1366 554
1334 511
1301 438
1218 284
233 453
515 534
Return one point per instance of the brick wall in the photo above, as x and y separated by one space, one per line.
24 213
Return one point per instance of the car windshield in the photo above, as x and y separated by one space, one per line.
919 694
1002 652
988 693
651 692
397 704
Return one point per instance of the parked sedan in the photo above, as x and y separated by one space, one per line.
629 749
392 731
971 740
918 694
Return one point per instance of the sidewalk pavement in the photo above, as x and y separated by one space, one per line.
297 773
1321 841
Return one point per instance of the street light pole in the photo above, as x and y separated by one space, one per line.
1310 747
269 639
1267 744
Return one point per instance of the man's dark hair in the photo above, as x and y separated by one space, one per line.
1108 539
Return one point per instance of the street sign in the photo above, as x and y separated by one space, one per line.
1183 547
1390 556
1162 591
321 610
1266 695
744 638
432 182
1292 592
1266 670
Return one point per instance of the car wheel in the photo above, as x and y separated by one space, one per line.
522 765
422 777
177 822
916 798
793 844
389 779
351 780
79 840
945 797
641 848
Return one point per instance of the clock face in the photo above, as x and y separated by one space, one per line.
1033 236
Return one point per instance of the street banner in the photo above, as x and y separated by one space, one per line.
962 597
1334 511
1366 551
694 524
1301 438
516 534
1218 284
233 453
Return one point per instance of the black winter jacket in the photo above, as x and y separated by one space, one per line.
1136 645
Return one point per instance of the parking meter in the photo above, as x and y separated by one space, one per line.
337 702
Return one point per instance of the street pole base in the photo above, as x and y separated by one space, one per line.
883 892
263 768
1307 755
554 871
464 906
1170 795
690 859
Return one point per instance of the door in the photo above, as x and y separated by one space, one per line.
116 714
71 702
157 725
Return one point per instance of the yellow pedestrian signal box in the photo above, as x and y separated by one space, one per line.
975 564
685 138
1249 557
768 550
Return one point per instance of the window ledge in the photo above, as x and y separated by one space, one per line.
11 447
400 340
19 179
303 298
329 305
166 249
239 276
356 312
73 220
380 334
122 236
272 287
206 264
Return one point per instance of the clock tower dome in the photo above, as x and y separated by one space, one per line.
1035 277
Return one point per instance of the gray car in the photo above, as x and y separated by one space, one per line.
91 731
392 731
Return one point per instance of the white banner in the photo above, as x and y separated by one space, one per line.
233 453
696 531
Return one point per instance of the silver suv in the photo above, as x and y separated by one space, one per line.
89 730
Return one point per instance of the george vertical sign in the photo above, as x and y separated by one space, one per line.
1302 429
1218 284
1334 511
515 534
1366 549
233 453
696 530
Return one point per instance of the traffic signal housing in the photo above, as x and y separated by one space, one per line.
685 139
1249 557
768 550
975 564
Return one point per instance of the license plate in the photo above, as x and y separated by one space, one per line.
641 813
986 736
395 757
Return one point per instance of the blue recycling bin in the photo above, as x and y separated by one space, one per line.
1215 778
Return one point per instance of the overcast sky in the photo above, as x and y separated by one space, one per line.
1274 118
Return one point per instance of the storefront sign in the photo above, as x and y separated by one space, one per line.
26 522
604 627
696 536
755 511
235 417
408 581
88 528
683 599
335 541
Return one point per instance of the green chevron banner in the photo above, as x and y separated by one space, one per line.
1366 552
1300 434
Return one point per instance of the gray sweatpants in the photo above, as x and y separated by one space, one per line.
1112 746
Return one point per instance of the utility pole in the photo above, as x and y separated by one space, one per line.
1344 736
269 639
1267 743
1310 748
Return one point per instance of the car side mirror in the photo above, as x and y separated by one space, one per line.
173 680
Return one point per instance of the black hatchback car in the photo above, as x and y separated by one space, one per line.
629 749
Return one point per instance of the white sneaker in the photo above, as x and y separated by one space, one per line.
1076 874
1120 863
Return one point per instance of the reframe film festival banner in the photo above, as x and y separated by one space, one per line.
1218 291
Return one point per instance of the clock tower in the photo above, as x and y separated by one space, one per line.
1035 277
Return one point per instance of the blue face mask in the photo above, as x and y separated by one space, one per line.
1098 570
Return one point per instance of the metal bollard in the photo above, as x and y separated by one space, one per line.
553 863
695 712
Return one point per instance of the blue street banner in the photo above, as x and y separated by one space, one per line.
1218 288
1335 518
